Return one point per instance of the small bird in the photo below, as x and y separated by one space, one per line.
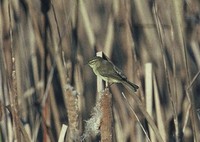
108 72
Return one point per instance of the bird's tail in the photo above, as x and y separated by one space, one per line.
130 85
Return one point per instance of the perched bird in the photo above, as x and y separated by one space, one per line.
108 72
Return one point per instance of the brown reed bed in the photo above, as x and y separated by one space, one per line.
48 93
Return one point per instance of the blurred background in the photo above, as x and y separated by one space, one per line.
45 81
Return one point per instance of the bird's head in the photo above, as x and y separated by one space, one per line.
95 62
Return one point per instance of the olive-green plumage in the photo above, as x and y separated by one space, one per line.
107 71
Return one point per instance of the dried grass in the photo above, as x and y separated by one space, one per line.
45 45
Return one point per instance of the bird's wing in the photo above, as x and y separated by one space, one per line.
120 73
109 72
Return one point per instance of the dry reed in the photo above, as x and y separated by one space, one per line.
46 85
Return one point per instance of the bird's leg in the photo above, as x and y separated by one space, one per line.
109 84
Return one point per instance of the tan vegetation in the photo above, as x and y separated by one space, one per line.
49 93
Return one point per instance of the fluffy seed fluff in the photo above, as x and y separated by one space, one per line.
93 124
